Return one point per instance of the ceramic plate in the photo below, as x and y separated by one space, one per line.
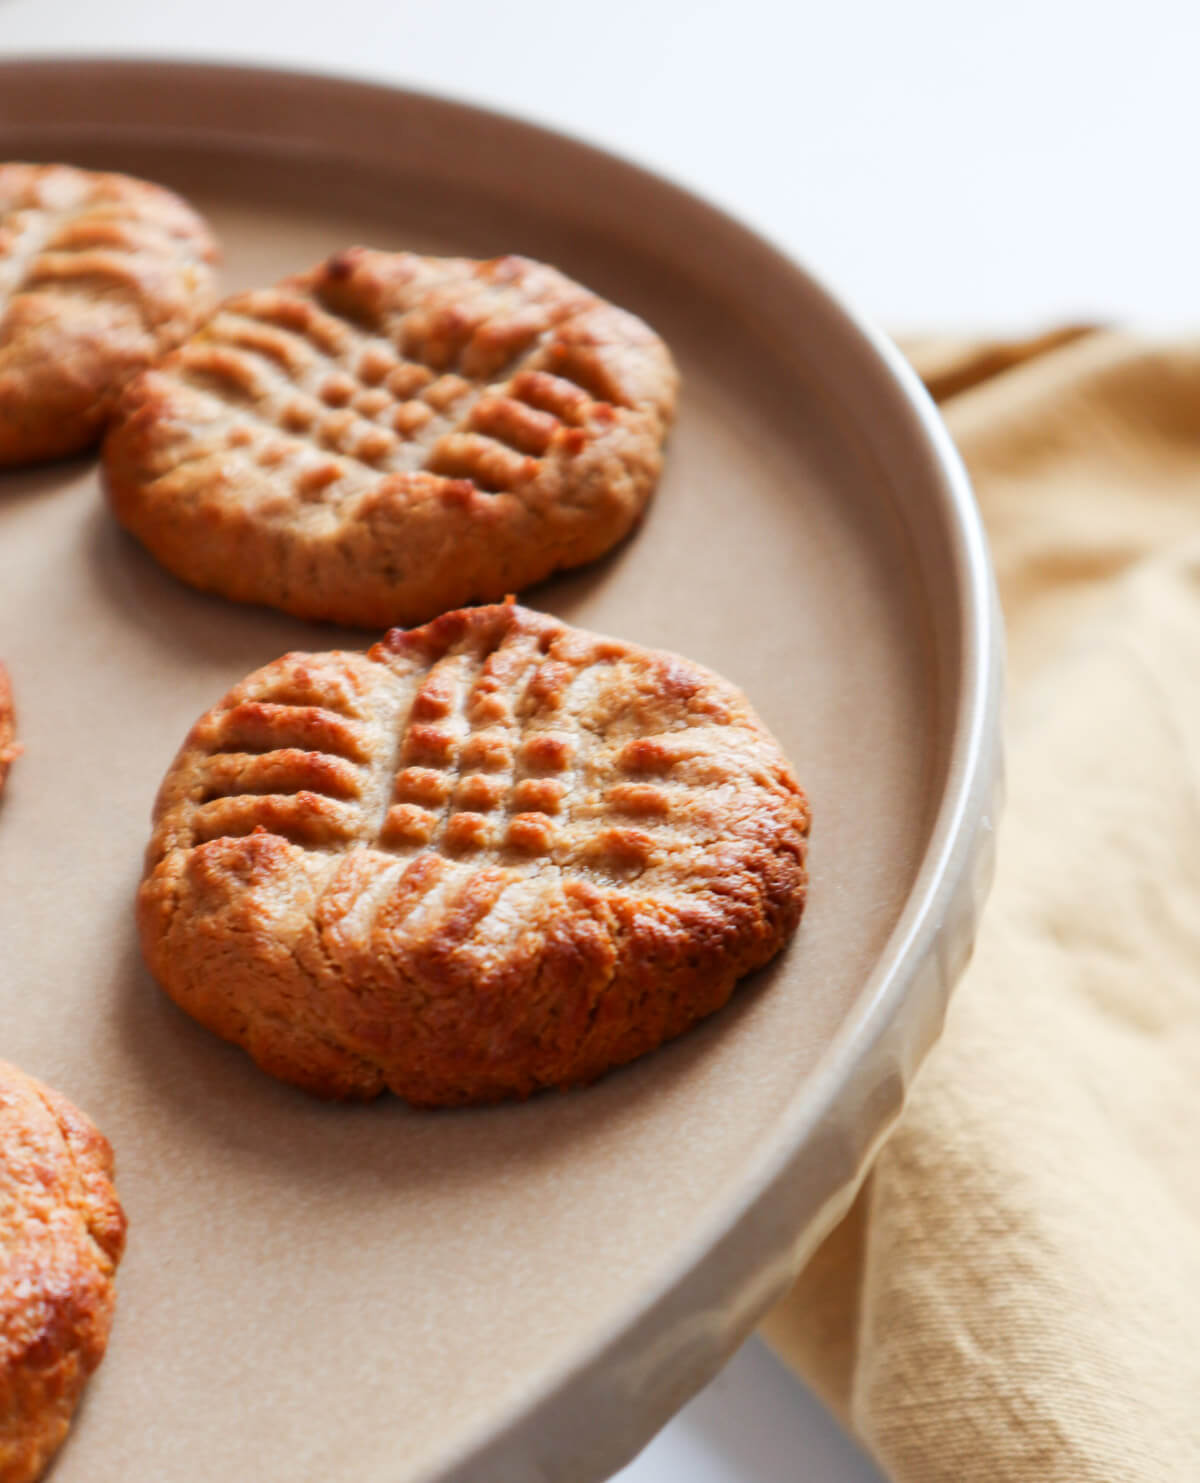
375 1295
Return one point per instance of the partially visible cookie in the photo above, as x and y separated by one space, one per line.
389 436
489 855
62 1232
10 748
99 275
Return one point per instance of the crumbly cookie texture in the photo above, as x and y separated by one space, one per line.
62 1232
389 436
99 275
10 747
489 855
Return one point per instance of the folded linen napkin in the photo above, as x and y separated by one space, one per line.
1015 1296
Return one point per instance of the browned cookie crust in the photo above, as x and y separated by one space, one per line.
389 436
10 748
99 275
61 1236
489 855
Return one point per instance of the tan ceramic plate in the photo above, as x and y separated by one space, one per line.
372 1295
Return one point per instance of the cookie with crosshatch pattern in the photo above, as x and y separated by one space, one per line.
10 747
389 436
99 275
487 856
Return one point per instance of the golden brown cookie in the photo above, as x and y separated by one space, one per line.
62 1232
99 275
389 436
487 856
10 748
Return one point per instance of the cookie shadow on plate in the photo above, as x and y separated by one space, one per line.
568 592
30 482
198 1088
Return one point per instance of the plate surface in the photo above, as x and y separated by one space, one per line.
526 1292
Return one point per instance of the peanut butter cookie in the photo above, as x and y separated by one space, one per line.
489 855
99 274
10 748
62 1232
389 436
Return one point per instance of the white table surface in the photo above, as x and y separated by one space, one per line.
941 164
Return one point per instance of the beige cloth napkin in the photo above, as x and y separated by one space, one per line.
1015 1297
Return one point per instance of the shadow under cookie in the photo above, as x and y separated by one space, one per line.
203 1089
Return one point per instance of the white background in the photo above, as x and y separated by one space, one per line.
944 164
941 162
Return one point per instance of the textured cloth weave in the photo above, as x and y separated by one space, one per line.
1015 1295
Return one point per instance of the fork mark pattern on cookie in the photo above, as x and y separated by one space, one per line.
490 763
460 757
77 245
100 275
293 762
497 765
345 404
